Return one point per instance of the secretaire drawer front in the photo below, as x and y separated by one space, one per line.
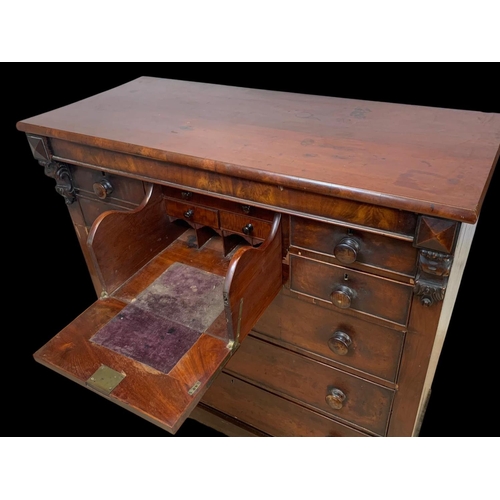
320 386
355 247
349 289
270 413
334 336
107 187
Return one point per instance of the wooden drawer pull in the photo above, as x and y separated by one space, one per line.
347 250
102 189
335 398
342 297
339 343
248 229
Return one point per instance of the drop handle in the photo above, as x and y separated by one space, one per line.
189 213
335 398
247 229
346 251
102 189
339 343
342 297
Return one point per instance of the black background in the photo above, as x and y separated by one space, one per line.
48 284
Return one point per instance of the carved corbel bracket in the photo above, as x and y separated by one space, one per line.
41 152
62 176
432 276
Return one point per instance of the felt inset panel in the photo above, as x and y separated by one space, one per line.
166 319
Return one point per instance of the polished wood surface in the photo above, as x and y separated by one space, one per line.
374 350
431 160
309 382
251 404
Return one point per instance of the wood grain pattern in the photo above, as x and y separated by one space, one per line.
287 419
235 222
381 153
436 234
307 382
374 350
371 295
253 280
198 215
122 242
241 190
374 252
161 399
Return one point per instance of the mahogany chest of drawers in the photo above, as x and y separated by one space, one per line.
266 263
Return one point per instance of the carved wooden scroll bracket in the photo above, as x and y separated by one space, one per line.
58 171
432 276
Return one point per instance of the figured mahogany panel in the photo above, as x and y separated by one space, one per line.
309 383
349 289
333 337
163 399
252 405
253 280
355 248
122 242
429 160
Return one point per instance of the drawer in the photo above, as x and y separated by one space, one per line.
355 248
349 289
243 224
312 383
270 413
107 187
333 336
218 203
192 213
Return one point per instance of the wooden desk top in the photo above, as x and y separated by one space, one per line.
429 160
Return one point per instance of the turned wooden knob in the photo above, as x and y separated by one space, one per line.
189 213
102 189
347 250
342 297
186 195
335 398
247 229
339 343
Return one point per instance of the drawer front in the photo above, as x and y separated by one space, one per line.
349 289
243 224
353 247
292 375
107 187
334 336
218 203
270 413
192 213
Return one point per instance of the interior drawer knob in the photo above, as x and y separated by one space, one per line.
186 195
189 213
102 189
247 229
347 250
335 398
342 297
339 343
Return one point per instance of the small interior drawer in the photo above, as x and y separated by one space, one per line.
270 413
313 384
350 289
355 248
218 203
333 336
244 225
192 213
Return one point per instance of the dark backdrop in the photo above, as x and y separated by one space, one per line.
48 285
